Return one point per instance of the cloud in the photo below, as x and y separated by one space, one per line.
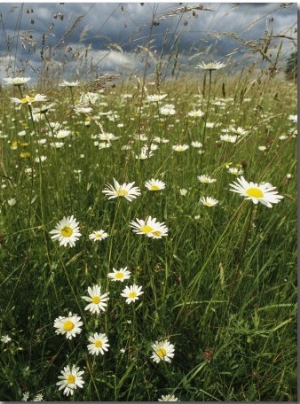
110 35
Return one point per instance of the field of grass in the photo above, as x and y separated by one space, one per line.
218 282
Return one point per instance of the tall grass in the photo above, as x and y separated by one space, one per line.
221 286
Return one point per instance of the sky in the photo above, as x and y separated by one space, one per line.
77 40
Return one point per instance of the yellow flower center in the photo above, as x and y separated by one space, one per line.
255 192
98 344
161 352
180 149
154 188
122 192
119 275
68 325
96 299
71 379
132 294
27 99
208 203
67 231
146 229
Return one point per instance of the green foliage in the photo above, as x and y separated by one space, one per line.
291 71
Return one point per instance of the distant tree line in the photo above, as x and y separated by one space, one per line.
291 67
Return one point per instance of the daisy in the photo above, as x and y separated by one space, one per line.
97 302
125 190
235 170
66 231
162 351
69 83
98 235
17 81
155 185
149 227
38 397
228 138
99 344
70 325
205 179
167 110
197 145
264 192
196 113
71 379
29 100
208 201
211 66
168 398
5 339
132 293
156 97
119 275
180 147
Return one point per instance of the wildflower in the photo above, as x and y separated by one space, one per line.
38 397
71 379
70 325
88 98
168 398
125 190
5 339
228 138
145 153
211 66
167 110
150 227
97 302
108 137
66 231
25 396
98 235
156 97
208 201
180 147
205 179
183 191
235 170
29 100
154 185
264 192
293 118
238 131
99 344
82 110
17 81
62 133
162 351
262 148
197 145
69 83
119 275
12 201
132 293
196 113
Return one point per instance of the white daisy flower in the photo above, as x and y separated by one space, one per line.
98 235
99 344
70 325
211 66
16 81
208 201
156 97
97 302
264 192
66 231
119 275
168 398
149 227
205 179
155 185
132 293
126 191
162 351
180 147
71 379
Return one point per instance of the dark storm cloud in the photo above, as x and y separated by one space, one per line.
124 29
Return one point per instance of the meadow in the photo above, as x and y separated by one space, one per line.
148 239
